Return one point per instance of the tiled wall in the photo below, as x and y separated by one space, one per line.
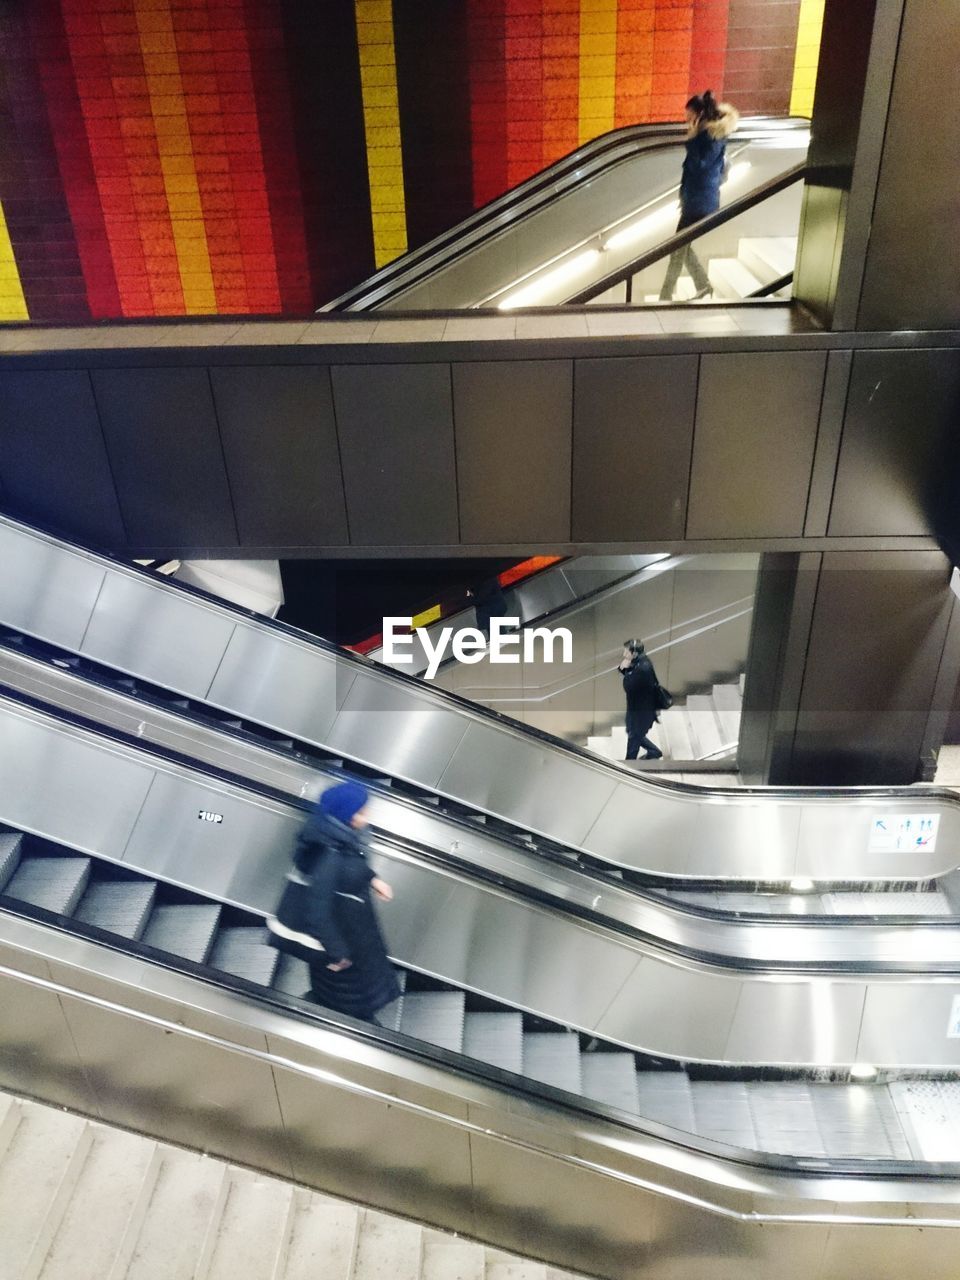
166 157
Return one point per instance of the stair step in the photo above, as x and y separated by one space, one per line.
727 705
664 1096
30 1175
447 1258
681 747
434 1016
118 906
177 1219
183 930
322 1239
702 724
93 1225
387 1246
251 1227
390 1015
56 884
610 1078
496 1038
245 952
553 1057
768 257
731 279
11 851
292 976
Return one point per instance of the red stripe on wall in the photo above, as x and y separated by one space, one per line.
708 47
523 60
488 99
285 235
561 78
74 160
672 40
112 89
634 84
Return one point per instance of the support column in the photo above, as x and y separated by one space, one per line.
853 663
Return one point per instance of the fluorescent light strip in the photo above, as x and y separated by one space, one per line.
532 293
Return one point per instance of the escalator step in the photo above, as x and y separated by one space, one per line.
391 1014
664 1096
292 976
183 930
56 884
721 1110
245 952
554 1058
434 1016
11 849
610 1078
118 906
496 1038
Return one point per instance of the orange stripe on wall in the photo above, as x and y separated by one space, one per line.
161 66
635 23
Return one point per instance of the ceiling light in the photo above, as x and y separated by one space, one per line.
534 292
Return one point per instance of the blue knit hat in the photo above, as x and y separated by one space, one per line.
344 800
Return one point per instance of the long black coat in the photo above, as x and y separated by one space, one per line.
326 914
640 686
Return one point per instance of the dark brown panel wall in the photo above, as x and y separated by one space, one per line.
280 443
753 447
164 448
632 424
395 423
900 408
514 429
53 461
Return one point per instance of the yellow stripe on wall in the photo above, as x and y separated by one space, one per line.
13 305
165 87
807 58
381 118
598 67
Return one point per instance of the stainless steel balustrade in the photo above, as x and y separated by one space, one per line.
70 785
168 1054
782 942
286 680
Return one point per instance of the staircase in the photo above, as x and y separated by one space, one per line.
760 261
79 1199
704 726
795 1116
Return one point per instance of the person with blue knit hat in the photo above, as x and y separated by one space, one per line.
326 915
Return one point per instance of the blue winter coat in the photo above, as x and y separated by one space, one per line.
703 166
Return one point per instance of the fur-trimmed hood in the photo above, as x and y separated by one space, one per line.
724 124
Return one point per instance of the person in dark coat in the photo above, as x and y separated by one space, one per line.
640 684
709 125
489 602
325 915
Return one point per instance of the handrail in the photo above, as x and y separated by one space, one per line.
697 229
774 286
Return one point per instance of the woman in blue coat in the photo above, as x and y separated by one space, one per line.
326 916
709 125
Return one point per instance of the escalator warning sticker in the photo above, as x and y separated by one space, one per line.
898 832
205 815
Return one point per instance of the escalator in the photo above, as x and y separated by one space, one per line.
303 691
140 903
591 214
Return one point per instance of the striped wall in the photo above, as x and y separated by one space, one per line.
170 157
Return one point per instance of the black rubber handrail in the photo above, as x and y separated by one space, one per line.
663 250
774 286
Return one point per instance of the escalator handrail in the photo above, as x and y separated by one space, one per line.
460 1064
489 219
940 795
700 228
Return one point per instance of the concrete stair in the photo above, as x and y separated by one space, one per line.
80 1199
760 261
704 727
